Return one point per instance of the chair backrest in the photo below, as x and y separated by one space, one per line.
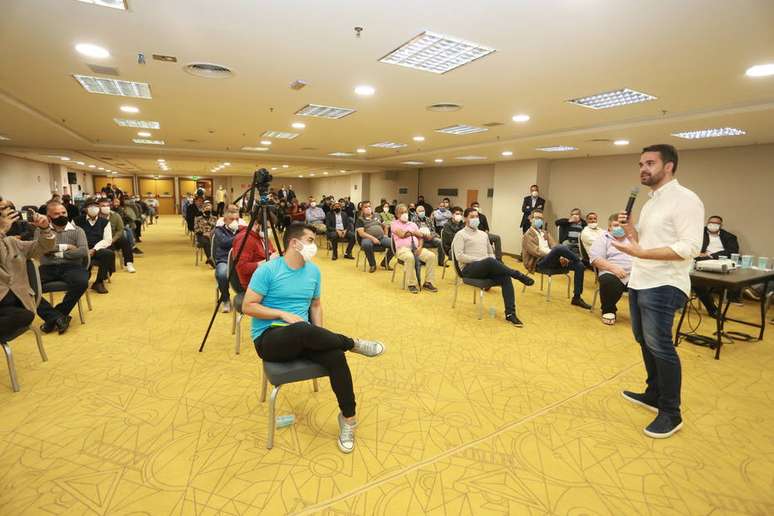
584 253
234 277
212 245
456 264
33 275
392 244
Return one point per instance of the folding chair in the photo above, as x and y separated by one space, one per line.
479 285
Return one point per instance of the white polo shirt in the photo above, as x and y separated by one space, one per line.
673 217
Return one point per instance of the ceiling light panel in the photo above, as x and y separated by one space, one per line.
148 142
318 111
710 133
436 53
283 135
105 86
411 162
461 129
255 149
557 148
471 158
610 99
4 137
341 154
113 4
139 124
388 145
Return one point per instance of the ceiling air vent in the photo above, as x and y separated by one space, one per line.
444 107
103 70
600 140
208 70
190 140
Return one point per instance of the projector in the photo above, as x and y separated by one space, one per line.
722 266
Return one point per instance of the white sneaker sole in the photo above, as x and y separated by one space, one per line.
641 404
343 448
663 436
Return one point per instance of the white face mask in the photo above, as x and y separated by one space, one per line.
404 217
308 251
474 223
713 228
92 211
593 225
534 193
233 226
457 217
104 210
421 214
385 208
312 204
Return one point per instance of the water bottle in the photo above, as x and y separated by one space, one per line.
283 421
492 312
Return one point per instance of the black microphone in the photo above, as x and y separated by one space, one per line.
630 202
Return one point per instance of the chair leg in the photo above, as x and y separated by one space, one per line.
264 386
80 312
51 298
238 333
548 292
88 300
474 296
456 288
11 366
394 269
315 385
594 299
569 282
39 340
541 281
481 303
272 417
233 321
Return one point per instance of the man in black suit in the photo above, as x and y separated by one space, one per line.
339 229
717 242
531 202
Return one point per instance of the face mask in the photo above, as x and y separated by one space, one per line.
537 223
366 211
474 223
618 232
313 204
386 208
534 193
713 228
457 217
92 211
233 226
105 210
337 210
593 225
308 251
412 210
404 217
421 214
475 207
60 221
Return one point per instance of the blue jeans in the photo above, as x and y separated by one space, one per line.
221 275
368 248
652 313
551 261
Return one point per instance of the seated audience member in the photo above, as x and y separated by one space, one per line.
131 205
386 215
119 241
295 212
224 241
531 202
153 209
455 224
203 226
717 242
421 202
570 230
381 206
20 228
349 207
240 221
254 253
315 216
409 248
475 256
427 228
72 209
283 215
338 226
539 251
283 298
99 238
372 233
483 225
193 210
612 265
55 197
17 303
590 233
65 263
442 215
127 216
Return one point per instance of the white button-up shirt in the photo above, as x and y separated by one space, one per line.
673 217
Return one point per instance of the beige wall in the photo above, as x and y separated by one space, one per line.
387 185
472 177
23 181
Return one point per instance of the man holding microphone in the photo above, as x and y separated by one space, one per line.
668 237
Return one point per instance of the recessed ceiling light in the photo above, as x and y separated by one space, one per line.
557 148
340 154
311 175
621 142
100 168
461 129
161 160
80 162
520 118
93 51
342 171
610 99
265 142
411 162
325 173
364 90
255 149
130 109
274 168
117 87
144 134
298 125
138 124
506 153
388 145
4 137
92 166
436 53
361 150
114 4
471 158
64 158
302 175
438 160
710 133
226 164
284 166
319 111
283 135
762 70
145 141
419 138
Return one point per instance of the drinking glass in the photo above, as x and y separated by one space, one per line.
746 261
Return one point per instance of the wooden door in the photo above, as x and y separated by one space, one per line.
147 187
472 197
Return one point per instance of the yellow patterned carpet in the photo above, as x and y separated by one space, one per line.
460 416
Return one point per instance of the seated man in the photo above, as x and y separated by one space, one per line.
119 240
234 208
717 242
475 256
442 215
204 224
338 226
254 253
17 304
65 263
408 248
386 214
570 230
590 233
99 238
223 242
372 233
193 210
612 265
484 226
283 299
127 216
455 224
315 216
539 251
427 228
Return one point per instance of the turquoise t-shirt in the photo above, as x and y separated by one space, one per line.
284 289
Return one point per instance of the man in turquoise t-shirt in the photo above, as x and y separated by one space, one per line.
282 297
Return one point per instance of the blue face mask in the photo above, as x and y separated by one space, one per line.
618 232
537 223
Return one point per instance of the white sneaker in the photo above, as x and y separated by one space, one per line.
130 267
369 348
346 435
225 307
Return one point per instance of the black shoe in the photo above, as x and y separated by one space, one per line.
137 250
430 287
98 286
48 327
334 257
349 257
210 263
578 301
525 279
385 266
63 323
511 318
664 426
137 240
413 289
372 268
641 400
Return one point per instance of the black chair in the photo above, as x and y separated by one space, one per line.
52 287
479 285
34 278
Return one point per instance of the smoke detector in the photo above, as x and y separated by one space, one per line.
208 70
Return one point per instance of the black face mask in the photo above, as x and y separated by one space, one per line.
337 210
60 221
15 229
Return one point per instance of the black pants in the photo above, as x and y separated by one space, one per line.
435 243
77 279
104 259
334 237
221 206
126 249
491 268
610 291
304 340
497 244
13 316
551 261
204 242
369 248
138 229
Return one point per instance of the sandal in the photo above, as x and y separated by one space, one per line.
608 319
